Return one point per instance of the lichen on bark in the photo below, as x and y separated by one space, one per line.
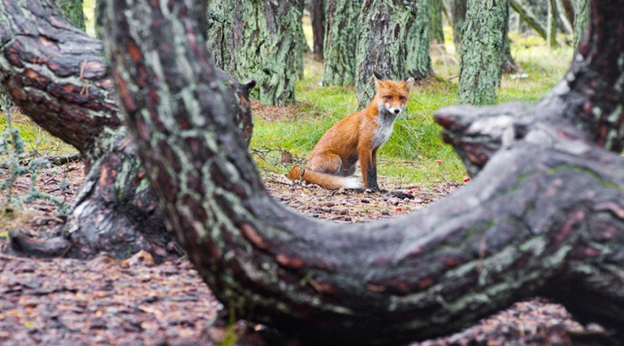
258 40
339 59
394 41
482 51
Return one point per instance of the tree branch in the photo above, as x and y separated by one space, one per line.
539 210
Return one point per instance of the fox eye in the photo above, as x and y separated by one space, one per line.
388 97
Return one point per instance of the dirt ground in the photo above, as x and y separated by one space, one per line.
134 302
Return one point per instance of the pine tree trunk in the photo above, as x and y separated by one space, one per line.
394 41
483 45
435 29
581 20
528 17
459 17
418 44
302 47
258 40
74 12
72 97
543 217
318 27
341 41
553 14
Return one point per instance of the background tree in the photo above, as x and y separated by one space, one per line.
258 40
459 17
343 22
435 28
317 14
71 96
303 47
543 216
528 17
553 14
74 12
581 20
483 44
394 40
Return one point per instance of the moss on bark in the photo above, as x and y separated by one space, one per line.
482 51
258 40
393 40
340 41
581 20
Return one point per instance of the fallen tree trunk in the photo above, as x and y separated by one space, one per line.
58 76
546 212
528 16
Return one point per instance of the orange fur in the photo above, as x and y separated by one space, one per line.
356 137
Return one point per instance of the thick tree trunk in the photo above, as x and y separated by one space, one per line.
74 12
317 12
528 17
343 22
258 40
553 14
302 43
581 20
436 32
58 76
483 45
393 40
545 213
459 17
418 45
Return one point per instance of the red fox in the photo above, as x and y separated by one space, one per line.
356 137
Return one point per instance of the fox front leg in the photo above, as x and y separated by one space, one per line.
369 169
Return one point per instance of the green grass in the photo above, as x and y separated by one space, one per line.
409 157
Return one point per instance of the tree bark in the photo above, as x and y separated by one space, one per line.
436 30
258 40
341 41
581 20
553 14
459 17
568 10
393 40
528 17
483 45
318 27
74 12
545 213
58 76
418 45
303 47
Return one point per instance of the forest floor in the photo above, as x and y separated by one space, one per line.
134 302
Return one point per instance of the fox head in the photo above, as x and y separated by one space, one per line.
392 96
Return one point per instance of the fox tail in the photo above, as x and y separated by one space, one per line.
328 181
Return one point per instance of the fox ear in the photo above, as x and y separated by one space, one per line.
409 83
378 79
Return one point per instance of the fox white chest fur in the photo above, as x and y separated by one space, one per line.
385 121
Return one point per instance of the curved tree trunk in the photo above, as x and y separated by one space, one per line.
58 76
459 17
545 213
258 40
391 41
483 45
340 42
